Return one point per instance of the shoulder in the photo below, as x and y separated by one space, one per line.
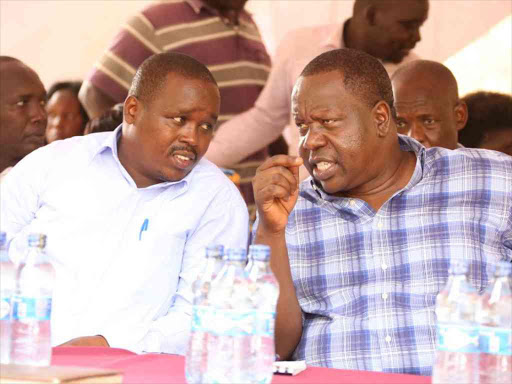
476 166
166 13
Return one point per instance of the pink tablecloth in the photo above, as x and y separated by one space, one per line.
156 368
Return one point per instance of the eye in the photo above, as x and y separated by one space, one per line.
303 129
400 124
21 103
178 119
429 121
43 103
328 121
206 127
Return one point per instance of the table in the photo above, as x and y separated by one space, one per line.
161 368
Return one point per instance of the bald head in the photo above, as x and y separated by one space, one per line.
427 103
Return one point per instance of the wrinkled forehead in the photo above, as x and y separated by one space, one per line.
318 89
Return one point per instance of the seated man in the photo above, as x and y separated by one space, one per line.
427 104
362 248
489 124
128 213
22 112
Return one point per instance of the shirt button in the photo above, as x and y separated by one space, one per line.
384 266
352 202
380 225
388 338
384 296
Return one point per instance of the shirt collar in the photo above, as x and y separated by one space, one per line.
111 141
198 5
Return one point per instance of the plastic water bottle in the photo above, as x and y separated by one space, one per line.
7 279
197 356
457 332
228 355
494 314
32 306
264 300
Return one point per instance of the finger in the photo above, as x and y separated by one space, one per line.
280 160
273 191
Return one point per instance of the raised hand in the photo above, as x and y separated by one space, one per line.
276 188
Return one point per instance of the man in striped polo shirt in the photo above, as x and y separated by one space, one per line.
218 33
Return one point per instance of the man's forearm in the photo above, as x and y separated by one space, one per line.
288 328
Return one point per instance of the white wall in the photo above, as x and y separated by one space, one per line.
62 39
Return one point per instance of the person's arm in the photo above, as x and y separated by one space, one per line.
95 102
224 223
276 189
256 128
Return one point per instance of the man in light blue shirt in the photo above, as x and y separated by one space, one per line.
128 213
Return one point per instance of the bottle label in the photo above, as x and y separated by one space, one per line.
457 338
5 308
202 318
31 308
496 341
229 322
265 322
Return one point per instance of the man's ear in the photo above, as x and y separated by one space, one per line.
381 115
131 107
461 115
369 14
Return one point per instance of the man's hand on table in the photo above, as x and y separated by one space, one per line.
86 341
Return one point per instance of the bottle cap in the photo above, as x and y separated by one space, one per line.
215 251
260 252
37 240
458 267
236 254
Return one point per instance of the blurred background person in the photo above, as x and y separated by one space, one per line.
489 123
387 30
107 122
22 112
427 105
66 115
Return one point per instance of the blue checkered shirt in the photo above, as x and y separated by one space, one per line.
367 281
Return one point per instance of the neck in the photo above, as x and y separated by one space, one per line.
395 177
231 15
6 160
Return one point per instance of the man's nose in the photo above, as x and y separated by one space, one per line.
38 112
416 35
314 138
189 133
417 132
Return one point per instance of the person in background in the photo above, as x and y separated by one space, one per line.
129 213
386 29
22 112
427 104
66 115
363 246
489 124
107 122
218 33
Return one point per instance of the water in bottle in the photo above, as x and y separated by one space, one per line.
32 304
457 333
228 355
7 280
197 355
264 297
494 314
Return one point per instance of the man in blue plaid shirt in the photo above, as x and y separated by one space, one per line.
362 248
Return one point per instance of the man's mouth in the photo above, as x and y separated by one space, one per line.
183 159
324 170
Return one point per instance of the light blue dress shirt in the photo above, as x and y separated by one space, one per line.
125 257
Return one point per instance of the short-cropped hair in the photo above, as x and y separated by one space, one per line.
363 75
152 73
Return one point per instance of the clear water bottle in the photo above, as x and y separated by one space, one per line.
264 299
197 355
32 306
457 332
7 281
228 355
494 314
